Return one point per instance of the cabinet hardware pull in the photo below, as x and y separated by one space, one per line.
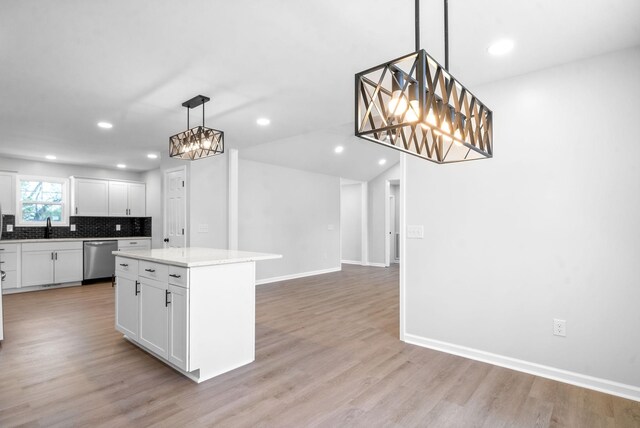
133 243
150 270
137 283
76 210
166 298
174 275
51 256
1 262
56 256
124 264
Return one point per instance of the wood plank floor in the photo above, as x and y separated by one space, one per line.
327 355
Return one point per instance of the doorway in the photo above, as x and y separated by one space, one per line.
392 222
175 208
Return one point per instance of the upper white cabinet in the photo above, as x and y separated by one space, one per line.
90 197
102 198
127 199
7 192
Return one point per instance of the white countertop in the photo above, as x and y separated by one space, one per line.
194 256
28 241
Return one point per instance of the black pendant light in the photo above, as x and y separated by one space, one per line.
413 104
197 142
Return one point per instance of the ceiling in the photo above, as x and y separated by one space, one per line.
66 65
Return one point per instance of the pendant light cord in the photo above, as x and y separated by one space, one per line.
446 34
446 31
417 25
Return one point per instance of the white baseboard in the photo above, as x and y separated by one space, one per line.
598 384
353 262
297 275
376 264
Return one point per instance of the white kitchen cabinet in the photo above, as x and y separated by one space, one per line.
137 199
51 263
10 264
178 327
134 244
154 316
127 199
37 267
198 319
8 192
90 197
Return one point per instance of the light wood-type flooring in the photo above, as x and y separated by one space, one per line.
327 354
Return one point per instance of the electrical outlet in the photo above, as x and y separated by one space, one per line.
117 228
559 327
9 228
72 228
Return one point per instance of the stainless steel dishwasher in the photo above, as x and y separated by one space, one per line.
98 260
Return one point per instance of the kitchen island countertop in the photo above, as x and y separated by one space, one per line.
195 256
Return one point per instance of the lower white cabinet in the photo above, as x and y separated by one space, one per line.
200 320
154 316
10 264
51 263
151 312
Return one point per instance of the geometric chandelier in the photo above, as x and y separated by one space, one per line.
197 142
415 105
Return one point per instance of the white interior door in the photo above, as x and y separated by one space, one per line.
175 208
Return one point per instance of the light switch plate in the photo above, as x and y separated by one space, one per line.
330 227
203 228
9 228
117 227
415 232
72 228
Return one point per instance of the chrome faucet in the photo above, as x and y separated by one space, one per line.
47 230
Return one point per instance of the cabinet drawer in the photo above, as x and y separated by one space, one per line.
11 280
52 246
151 270
126 266
8 261
8 248
179 276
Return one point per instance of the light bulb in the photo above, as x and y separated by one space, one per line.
431 118
398 103
457 135
413 114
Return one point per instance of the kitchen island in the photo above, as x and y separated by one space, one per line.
193 308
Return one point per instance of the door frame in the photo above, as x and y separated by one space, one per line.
166 172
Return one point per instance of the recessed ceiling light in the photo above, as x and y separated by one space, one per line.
105 125
263 121
338 149
501 47
152 156
121 165
50 157
382 161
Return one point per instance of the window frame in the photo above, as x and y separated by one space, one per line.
64 204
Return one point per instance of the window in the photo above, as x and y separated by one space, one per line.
39 198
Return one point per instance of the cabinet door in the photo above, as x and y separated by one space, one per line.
127 307
179 327
117 199
7 192
153 316
67 266
37 268
136 198
91 197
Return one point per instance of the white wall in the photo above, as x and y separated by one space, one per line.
153 179
289 212
549 228
54 169
376 214
209 188
351 222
